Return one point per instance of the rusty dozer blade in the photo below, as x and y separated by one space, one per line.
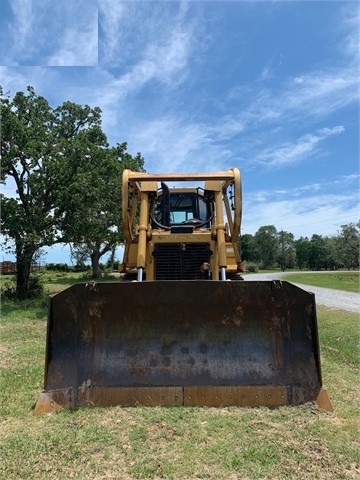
211 343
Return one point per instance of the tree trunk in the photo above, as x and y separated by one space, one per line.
112 258
24 257
95 259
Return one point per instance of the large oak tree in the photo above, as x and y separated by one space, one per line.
64 178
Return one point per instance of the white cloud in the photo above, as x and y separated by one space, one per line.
164 63
226 128
76 48
22 26
111 16
348 179
312 96
303 216
321 93
21 30
146 33
320 207
55 33
350 21
301 149
295 191
171 144
299 79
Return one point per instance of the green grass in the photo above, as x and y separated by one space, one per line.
176 443
349 281
54 282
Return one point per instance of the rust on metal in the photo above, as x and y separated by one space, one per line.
250 396
46 404
73 398
191 396
134 343
323 401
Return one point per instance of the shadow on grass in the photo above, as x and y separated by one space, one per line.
74 281
17 308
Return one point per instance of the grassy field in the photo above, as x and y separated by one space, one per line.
175 443
349 281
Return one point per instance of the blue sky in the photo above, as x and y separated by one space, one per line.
270 87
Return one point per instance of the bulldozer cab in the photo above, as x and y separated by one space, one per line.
182 326
176 207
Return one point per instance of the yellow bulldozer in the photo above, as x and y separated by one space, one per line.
182 326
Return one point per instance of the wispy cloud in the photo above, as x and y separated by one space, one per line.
176 146
20 30
143 51
302 148
349 23
77 48
24 19
154 39
111 16
295 191
302 216
154 46
348 179
306 209
312 94
163 63
320 93
61 33
324 188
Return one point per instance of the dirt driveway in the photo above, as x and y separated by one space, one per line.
324 296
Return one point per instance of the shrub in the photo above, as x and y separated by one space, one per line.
58 267
252 267
36 288
80 268
8 290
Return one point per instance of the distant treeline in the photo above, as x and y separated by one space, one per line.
9 268
270 248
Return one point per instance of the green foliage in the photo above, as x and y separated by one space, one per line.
80 268
286 257
92 202
41 148
57 267
251 267
248 248
267 244
8 289
35 288
317 252
273 249
302 248
349 245
67 180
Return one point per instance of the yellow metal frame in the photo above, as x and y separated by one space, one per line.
141 238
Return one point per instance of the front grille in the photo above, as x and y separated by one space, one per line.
181 261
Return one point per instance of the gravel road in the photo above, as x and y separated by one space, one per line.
324 296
